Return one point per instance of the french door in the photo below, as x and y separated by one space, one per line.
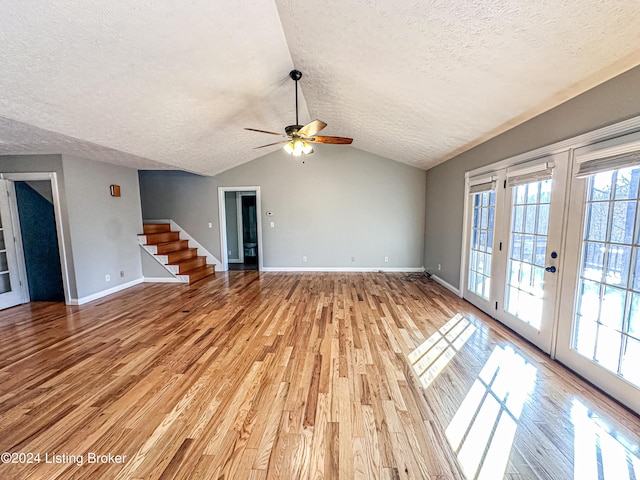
554 253
599 331
515 235
12 288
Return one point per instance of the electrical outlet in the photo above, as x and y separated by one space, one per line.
122 273
439 266
107 278
304 258
386 259
353 259
210 225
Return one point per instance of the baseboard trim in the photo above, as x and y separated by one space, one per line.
161 280
104 293
446 285
343 269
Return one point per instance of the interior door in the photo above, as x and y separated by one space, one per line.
11 286
599 336
514 236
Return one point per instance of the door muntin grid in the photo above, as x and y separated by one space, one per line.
606 326
483 221
527 251
5 280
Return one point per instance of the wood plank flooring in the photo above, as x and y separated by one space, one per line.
254 375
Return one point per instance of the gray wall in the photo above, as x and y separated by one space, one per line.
43 188
613 101
151 268
343 202
40 164
104 229
231 213
189 200
100 230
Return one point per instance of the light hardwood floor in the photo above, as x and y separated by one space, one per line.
305 375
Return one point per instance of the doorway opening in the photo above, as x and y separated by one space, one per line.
33 264
39 240
240 228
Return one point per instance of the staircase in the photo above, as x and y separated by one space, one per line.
178 258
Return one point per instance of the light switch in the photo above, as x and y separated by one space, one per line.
273 224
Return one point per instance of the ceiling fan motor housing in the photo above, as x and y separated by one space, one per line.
292 129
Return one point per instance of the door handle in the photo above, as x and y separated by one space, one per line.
551 269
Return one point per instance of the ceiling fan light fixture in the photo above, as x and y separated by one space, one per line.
288 147
298 137
298 147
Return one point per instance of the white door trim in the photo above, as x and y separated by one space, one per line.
60 231
222 215
240 242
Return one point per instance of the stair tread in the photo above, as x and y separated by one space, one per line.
185 260
198 269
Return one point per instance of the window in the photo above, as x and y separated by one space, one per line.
607 323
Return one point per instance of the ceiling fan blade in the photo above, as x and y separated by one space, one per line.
333 140
264 131
270 144
311 128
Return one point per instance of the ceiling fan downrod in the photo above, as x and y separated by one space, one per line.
295 76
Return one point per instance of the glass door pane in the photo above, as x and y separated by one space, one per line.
526 279
479 265
527 252
607 314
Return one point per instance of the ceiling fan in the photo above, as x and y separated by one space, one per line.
298 137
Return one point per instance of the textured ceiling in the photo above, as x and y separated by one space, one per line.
160 84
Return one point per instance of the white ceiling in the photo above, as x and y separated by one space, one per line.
161 84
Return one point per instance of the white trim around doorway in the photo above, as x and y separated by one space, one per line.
222 215
60 231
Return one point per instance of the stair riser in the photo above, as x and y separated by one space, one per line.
182 255
172 247
184 267
156 228
200 275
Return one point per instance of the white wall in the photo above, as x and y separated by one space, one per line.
342 203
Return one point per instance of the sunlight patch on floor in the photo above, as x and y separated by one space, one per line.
430 358
484 427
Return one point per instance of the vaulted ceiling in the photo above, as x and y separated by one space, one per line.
165 84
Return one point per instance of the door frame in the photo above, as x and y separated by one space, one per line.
222 215
240 243
57 210
495 305
616 386
19 292
588 139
